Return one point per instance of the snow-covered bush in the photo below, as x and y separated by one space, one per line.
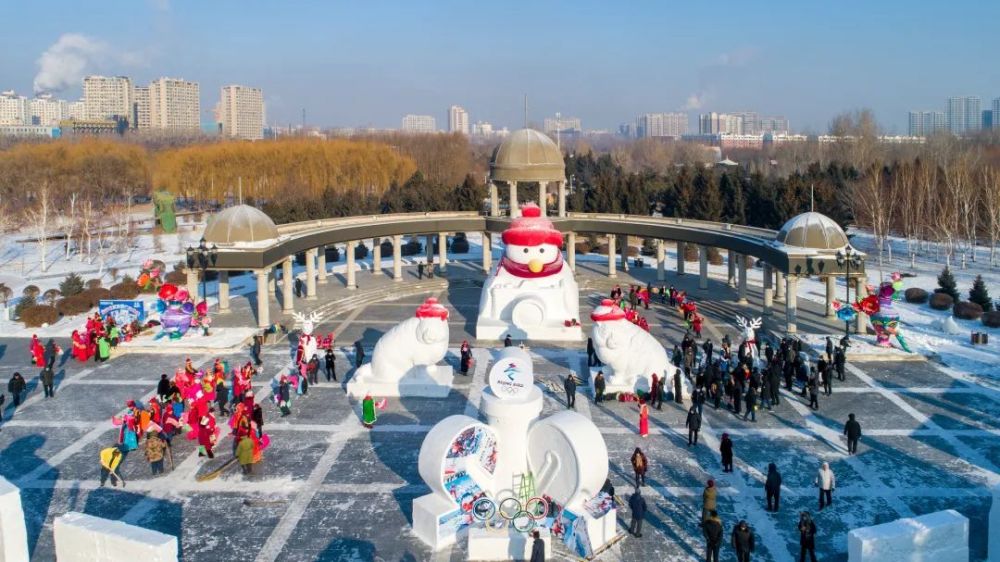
360 252
941 301
73 305
966 310
125 291
991 319
35 316
916 295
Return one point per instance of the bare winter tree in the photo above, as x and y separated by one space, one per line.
40 217
964 196
990 199
873 203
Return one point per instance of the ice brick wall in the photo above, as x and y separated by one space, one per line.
942 537
85 538
13 534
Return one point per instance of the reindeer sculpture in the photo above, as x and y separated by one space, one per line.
308 344
749 328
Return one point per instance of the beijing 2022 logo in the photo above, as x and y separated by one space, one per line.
510 377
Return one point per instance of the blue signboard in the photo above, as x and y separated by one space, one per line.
124 312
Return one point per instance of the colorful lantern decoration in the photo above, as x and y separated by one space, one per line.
178 312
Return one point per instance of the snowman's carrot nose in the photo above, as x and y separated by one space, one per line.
535 266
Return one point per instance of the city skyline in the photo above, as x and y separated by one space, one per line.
327 60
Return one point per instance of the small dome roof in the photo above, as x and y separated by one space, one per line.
240 223
812 230
527 155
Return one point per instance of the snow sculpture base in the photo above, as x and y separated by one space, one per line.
994 526
492 329
13 533
431 382
603 529
610 387
942 537
430 517
507 544
85 538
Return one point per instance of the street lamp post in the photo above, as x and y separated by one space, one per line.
201 258
846 258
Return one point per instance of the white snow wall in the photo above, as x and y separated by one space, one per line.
942 537
13 534
85 538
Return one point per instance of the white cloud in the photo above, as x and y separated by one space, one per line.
73 56
694 101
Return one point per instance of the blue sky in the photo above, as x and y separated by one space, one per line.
370 62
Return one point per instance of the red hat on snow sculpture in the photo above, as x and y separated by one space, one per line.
608 310
432 309
532 229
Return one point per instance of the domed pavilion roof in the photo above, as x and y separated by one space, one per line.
527 155
240 224
813 230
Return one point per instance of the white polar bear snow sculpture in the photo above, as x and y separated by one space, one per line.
405 359
630 354
532 293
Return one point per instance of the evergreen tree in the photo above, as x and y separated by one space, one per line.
707 204
71 285
979 295
470 195
733 203
946 284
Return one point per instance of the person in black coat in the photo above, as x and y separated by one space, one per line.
51 352
829 349
507 341
774 382
839 359
772 487
163 388
592 359
852 429
693 425
331 365
677 388
726 450
255 351
807 537
599 386
16 386
569 384
712 529
48 377
813 386
359 353
537 548
751 403
637 505
742 541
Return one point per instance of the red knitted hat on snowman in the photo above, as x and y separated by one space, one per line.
608 310
432 309
532 229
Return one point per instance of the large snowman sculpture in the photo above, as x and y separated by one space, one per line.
631 355
532 293
404 362
497 480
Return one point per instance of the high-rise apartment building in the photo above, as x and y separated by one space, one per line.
996 113
750 122
14 109
987 119
926 123
482 129
563 125
718 123
651 125
48 112
776 125
419 124
964 114
175 104
141 118
108 97
458 120
240 112
76 110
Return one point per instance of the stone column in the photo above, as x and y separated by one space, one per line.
562 198
703 267
681 247
443 252
351 274
494 200
287 284
768 289
397 258
376 256
831 287
571 251
223 291
731 263
192 283
542 196
487 252
661 260
321 265
861 290
513 199
612 270
311 274
263 294
779 285
272 281
429 248
741 283
792 289
623 249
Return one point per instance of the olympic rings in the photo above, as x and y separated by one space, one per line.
484 509
509 508
523 522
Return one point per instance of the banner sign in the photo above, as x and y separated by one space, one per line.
124 312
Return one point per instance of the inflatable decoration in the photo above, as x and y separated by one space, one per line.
749 328
630 354
844 313
150 276
178 312
405 359
515 473
532 293
884 319
308 343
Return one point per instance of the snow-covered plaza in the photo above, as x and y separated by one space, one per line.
329 489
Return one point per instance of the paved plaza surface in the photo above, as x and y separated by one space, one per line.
328 489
